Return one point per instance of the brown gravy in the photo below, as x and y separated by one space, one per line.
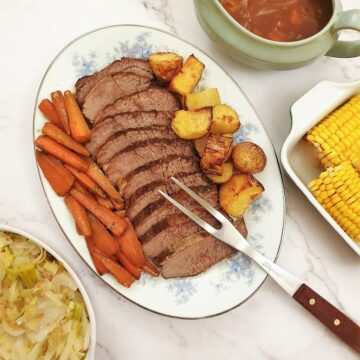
281 20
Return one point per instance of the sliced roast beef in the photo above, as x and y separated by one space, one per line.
149 193
159 209
194 259
135 66
143 176
134 144
197 253
111 88
141 153
172 226
111 125
125 138
157 99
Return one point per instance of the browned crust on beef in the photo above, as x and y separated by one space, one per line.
143 151
111 88
148 193
123 139
136 66
125 121
180 245
161 208
194 256
152 99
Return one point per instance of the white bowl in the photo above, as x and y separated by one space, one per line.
297 156
91 351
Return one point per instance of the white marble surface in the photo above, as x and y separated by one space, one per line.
270 325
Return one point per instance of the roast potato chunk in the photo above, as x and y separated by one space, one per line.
237 194
249 158
165 65
225 120
208 97
224 177
216 152
192 124
200 145
186 79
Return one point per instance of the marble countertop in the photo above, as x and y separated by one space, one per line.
270 325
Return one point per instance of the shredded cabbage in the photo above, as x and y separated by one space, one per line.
42 313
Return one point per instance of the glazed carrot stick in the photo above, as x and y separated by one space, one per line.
61 152
132 269
60 179
105 202
99 177
85 181
121 213
79 214
130 246
61 137
80 188
118 205
59 104
78 230
102 238
114 223
78 126
120 274
150 268
48 109
100 268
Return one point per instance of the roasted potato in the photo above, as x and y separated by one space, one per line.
187 78
237 194
192 124
215 154
225 120
248 158
225 176
208 97
200 145
165 65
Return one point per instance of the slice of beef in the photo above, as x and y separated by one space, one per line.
110 126
162 237
111 88
135 66
141 153
196 258
149 173
147 194
197 254
122 139
157 99
159 208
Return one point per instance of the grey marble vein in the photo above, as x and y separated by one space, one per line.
162 10
103 352
311 257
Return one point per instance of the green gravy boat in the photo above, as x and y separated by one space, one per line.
262 53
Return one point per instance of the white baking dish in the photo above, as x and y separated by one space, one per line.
297 156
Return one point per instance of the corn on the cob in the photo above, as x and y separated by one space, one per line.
337 137
338 190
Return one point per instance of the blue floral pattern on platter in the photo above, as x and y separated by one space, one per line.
84 64
239 267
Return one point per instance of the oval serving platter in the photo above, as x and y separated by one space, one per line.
229 283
